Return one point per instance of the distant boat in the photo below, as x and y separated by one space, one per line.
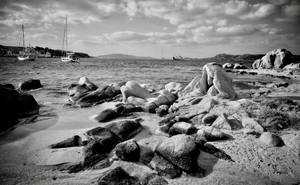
67 56
178 58
28 53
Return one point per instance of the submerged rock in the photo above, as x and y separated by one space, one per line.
30 85
128 150
271 139
164 167
15 105
117 176
70 142
181 150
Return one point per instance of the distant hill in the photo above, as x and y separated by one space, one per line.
123 56
14 51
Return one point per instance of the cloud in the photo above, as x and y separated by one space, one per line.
260 11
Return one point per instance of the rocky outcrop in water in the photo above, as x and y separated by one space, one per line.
30 85
15 105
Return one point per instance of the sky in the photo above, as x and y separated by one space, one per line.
156 28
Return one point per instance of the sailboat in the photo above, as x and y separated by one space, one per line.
67 56
28 53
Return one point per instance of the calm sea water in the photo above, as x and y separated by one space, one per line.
56 75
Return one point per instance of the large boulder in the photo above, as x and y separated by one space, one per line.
277 58
125 129
292 66
117 176
30 85
128 150
181 150
86 94
15 105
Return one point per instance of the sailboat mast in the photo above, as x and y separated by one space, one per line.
23 35
66 34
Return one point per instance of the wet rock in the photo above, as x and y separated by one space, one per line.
222 122
125 129
102 141
271 139
127 109
70 142
162 110
164 167
90 161
106 115
15 105
208 119
117 176
30 85
128 150
154 179
182 128
181 150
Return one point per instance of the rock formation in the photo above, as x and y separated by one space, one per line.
277 58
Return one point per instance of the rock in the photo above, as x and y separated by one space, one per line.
271 139
132 88
9 86
85 81
106 115
127 109
251 125
164 167
117 176
213 76
222 122
15 105
70 142
30 85
181 150
147 148
228 66
125 129
206 105
102 141
90 161
162 110
85 93
213 134
292 66
174 87
239 66
154 179
128 150
208 119
277 58
182 128
211 149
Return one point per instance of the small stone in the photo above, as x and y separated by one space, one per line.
208 119
182 128
271 139
70 142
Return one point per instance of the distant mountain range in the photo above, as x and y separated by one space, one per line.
123 56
